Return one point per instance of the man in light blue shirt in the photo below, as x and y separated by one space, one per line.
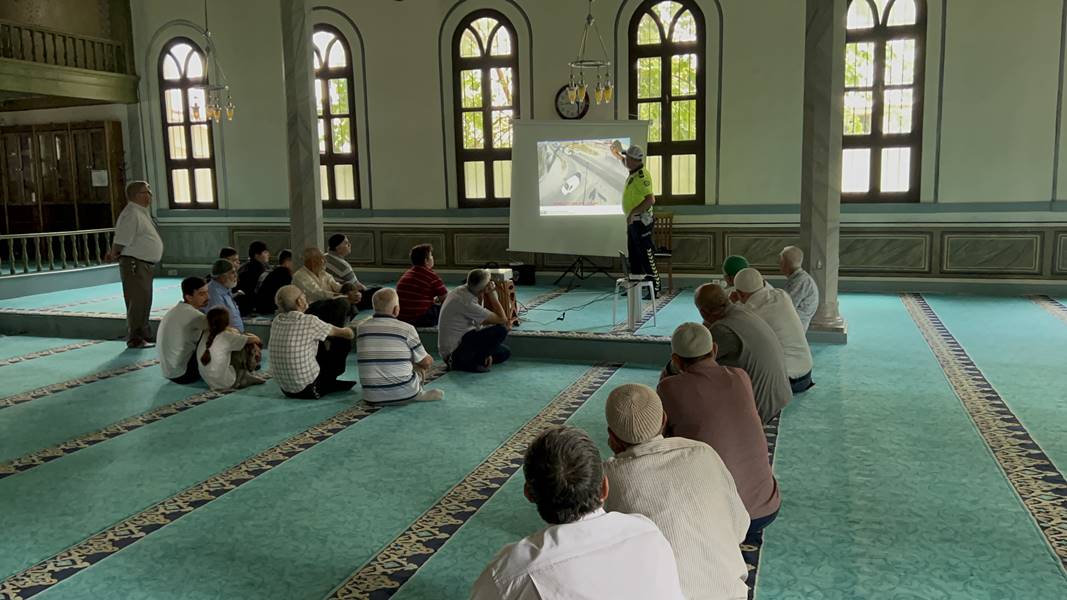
800 286
220 291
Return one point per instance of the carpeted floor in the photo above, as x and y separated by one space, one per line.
896 481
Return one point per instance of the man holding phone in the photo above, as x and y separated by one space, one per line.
637 202
473 326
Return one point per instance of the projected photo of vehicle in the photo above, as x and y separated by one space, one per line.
580 177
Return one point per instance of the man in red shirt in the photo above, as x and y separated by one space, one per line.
421 291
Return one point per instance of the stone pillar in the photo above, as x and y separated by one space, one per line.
305 206
820 200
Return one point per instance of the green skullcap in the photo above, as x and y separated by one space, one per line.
733 264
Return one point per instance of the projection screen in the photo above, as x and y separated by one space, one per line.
566 187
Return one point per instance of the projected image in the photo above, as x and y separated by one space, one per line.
580 177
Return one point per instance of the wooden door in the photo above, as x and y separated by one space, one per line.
22 205
57 185
97 175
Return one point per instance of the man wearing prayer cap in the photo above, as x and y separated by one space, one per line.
683 487
746 341
714 404
776 308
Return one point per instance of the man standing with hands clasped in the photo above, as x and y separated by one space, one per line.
637 202
138 248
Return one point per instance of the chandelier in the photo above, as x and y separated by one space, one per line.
216 87
578 88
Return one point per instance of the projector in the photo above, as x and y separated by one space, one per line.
500 275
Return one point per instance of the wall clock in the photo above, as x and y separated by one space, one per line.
570 110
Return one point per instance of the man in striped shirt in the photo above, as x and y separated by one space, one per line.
392 360
337 265
421 290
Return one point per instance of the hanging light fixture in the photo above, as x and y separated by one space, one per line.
578 87
216 87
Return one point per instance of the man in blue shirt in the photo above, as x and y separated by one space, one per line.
220 291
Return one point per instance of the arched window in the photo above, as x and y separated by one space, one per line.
485 66
334 88
188 147
883 100
667 88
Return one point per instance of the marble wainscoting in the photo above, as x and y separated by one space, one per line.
1038 253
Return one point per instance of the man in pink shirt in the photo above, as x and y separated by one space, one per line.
713 404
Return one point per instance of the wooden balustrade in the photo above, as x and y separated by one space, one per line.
53 251
42 45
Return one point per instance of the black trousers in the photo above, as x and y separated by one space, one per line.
478 345
756 527
641 251
331 354
430 317
334 311
192 372
365 301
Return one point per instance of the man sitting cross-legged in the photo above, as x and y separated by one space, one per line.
279 276
684 487
307 355
776 308
392 360
250 275
585 552
473 326
421 290
180 331
714 404
748 342
798 284
337 265
219 291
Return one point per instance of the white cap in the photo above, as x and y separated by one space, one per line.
748 280
691 340
635 153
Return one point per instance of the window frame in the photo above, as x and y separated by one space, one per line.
666 147
330 158
485 63
189 163
881 34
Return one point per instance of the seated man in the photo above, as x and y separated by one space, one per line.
747 342
684 487
473 326
280 276
304 362
714 404
392 361
584 552
776 308
230 254
731 267
223 280
250 275
321 289
421 289
337 265
180 331
798 284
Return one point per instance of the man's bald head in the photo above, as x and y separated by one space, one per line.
289 298
711 300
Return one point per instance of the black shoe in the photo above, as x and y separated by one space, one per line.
342 386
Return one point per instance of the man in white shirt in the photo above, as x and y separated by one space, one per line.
314 281
180 332
392 360
683 486
303 361
776 308
585 552
138 248
473 326
798 284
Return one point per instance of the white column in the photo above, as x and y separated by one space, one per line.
305 206
820 200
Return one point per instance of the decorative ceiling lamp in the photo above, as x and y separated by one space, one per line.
216 87
578 87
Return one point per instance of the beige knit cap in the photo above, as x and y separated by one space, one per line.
748 280
691 340
634 413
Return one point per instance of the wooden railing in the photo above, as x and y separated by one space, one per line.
53 251
51 47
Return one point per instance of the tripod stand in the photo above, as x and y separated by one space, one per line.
583 268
